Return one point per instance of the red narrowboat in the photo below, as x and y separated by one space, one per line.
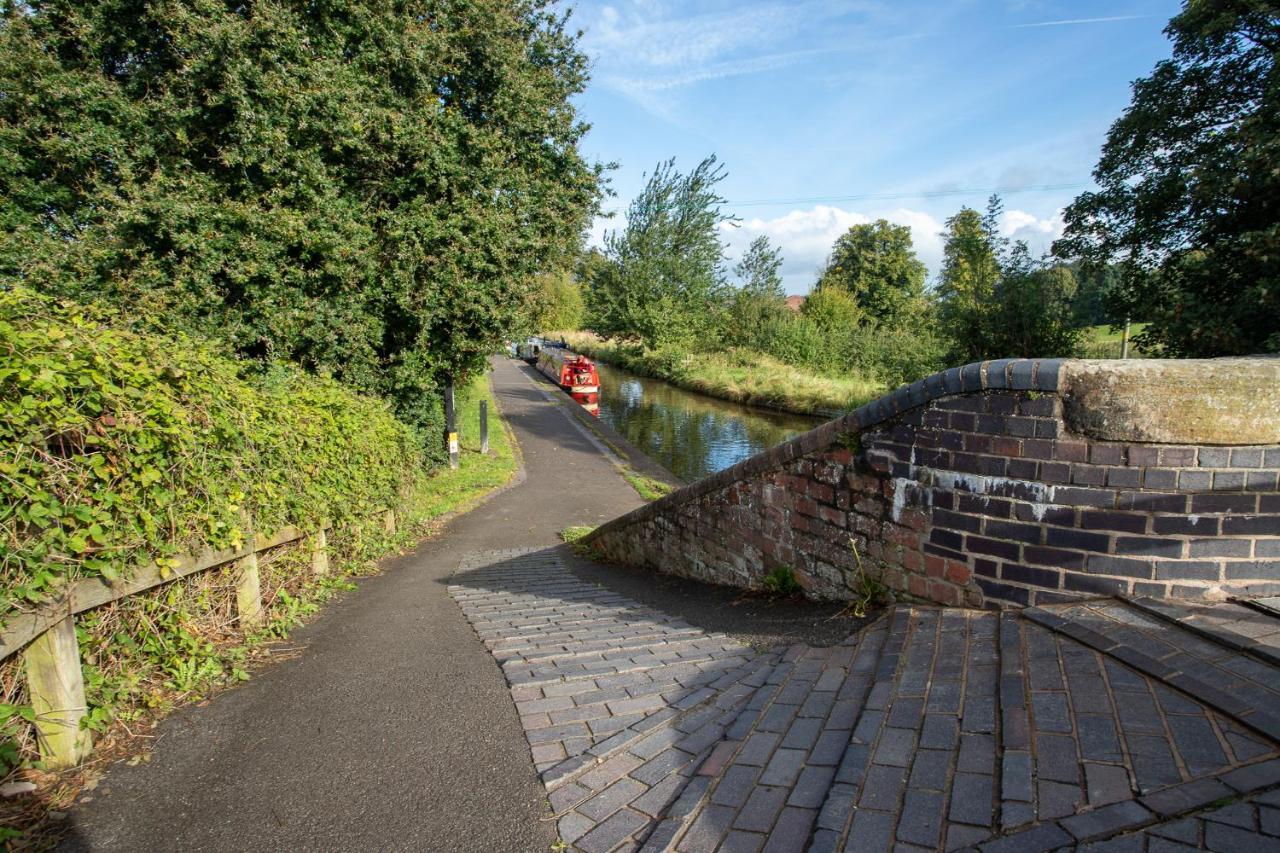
575 374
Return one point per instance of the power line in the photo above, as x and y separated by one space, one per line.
912 194
944 193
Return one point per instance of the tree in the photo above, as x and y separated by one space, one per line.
1032 313
665 283
1188 203
834 311
758 270
876 263
366 189
559 303
995 300
970 273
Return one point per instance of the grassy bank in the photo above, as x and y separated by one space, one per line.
739 375
1105 342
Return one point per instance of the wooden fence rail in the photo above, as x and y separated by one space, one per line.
47 636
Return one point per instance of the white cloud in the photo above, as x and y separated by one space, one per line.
805 237
1038 233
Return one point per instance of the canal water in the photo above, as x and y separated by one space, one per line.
690 434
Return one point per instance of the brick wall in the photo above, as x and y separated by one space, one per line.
970 488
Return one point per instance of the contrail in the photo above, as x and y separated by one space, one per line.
1079 21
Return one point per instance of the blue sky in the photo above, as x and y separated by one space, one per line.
830 113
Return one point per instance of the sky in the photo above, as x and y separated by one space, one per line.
828 114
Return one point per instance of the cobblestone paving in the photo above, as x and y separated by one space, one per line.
1097 725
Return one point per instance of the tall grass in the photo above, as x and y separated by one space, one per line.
740 375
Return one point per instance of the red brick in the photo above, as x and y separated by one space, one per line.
832 516
912 561
1006 446
840 456
822 492
1070 451
944 593
806 506
916 519
958 572
934 566
917 585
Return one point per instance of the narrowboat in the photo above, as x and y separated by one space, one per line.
575 374
528 350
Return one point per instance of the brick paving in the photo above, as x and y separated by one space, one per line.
1105 724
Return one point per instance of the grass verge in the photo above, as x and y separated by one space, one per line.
179 644
647 487
739 375
1106 342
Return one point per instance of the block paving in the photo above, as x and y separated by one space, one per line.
1108 724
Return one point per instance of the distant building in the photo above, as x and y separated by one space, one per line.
795 303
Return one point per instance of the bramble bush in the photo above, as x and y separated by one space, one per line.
119 448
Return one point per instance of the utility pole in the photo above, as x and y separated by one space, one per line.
451 423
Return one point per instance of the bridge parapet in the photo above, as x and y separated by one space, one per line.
1018 482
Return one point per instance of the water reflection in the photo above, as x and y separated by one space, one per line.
688 433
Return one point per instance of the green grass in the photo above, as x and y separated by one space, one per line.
573 534
449 491
1105 342
647 487
572 537
739 375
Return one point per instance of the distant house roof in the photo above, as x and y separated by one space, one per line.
795 303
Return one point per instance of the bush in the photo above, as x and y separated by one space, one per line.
122 448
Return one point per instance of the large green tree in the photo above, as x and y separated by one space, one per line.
995 300
967 284
876 264
1188 202
757 271
665 281
365 188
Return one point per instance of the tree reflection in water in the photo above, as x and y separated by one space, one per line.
691 435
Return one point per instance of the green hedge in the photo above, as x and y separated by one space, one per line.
118 448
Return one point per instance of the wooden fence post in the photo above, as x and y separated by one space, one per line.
56 688
484 426
248 590
319 553
389 521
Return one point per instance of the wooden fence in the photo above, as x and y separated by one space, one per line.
51 656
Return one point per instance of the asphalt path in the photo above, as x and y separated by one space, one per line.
394 729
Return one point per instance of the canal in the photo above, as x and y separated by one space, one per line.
689 434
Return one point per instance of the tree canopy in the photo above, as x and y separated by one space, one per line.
876 264
665 280
995 300
1188 203
367 189
757 271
